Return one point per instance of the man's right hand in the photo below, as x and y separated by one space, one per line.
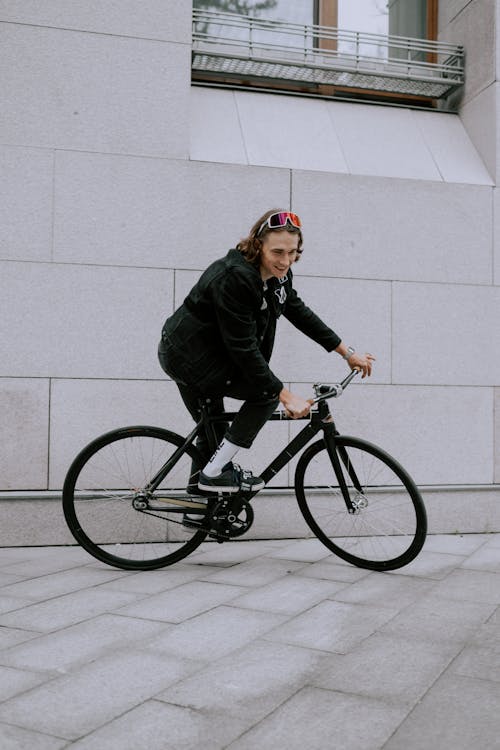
295 406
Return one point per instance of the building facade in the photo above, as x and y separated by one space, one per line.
121 180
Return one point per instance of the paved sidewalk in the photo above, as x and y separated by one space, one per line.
248 645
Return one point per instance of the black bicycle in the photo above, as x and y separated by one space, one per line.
125 501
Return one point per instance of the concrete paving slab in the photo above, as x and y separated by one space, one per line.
471 586
480 662
14 681
398 670
156 581
241 689
34 567
457 712
10 555
64 582
213 634
182 602
11 603
304 550
74 705
251 644
318 719
7 578
332 626
489 633
437 619
288 595
80 643
55 614
154 725
232 553
15 738
457 544
333 569
493 540
11 636
396 592
486 558
254 573
433 565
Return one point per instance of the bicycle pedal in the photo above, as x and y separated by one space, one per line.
218 536
190 523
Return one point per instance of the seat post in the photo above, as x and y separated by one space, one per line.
208 425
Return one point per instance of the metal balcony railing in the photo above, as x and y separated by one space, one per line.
229 46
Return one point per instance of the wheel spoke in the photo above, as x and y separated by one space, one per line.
103 484
386 529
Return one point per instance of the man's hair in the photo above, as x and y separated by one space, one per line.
251 246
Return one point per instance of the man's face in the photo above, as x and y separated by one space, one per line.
279 251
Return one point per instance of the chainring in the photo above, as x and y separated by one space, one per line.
226 522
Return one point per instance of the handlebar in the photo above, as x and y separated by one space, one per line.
324 391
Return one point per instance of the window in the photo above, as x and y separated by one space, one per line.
294 11
411 18
382 49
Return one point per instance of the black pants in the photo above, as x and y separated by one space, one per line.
252 416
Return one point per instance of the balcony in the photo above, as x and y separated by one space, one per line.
240 49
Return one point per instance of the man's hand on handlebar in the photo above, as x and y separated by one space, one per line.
295 406
362 362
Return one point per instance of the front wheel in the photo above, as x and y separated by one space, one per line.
111 510
385 526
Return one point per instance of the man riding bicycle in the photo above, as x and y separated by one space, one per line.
219 342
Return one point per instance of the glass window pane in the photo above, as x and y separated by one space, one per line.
369 16
289 11
394 17
408 19
293 11
386 17
278 33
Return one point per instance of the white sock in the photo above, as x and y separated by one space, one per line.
224 453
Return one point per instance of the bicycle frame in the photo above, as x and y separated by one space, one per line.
124 523
319 420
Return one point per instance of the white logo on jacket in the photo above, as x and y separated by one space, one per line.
281 294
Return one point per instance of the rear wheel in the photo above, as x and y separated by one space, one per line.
386 526
110 511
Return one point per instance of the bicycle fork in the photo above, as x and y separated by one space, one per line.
334 452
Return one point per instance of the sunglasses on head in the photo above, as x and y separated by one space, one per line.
280 220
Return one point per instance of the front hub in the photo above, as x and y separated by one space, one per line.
360 502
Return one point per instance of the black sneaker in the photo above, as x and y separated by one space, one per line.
232 479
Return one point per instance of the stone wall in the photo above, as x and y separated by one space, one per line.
121 183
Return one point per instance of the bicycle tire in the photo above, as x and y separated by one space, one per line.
388 528
105 480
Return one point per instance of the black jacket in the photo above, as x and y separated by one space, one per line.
225 328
